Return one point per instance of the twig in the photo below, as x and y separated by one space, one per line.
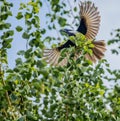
67 113
72 11
49 11
6 92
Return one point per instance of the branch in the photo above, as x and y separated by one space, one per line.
72 11
6 92
66 113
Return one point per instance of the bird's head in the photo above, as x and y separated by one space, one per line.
69 32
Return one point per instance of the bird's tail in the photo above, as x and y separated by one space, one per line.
52 57
98 51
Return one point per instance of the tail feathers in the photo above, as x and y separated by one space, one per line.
91 57
52 57
98 51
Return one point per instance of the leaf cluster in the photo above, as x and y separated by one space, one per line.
33 90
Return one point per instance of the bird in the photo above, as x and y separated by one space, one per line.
88 26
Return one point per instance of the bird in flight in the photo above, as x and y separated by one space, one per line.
89 26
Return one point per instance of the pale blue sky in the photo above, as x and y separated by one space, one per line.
110 20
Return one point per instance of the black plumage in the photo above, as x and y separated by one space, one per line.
82 27
68 44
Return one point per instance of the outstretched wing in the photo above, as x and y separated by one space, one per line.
90 20
52 56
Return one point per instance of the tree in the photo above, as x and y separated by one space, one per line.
33 91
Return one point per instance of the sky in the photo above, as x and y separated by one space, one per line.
110 20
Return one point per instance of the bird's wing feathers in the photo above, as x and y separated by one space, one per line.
52 57
90 20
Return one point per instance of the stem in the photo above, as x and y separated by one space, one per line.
4 111
72 11
6 92
49 11
67 113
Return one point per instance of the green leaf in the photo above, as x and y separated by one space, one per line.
115 51
90 52
22 6
25 35
43 31
22 52
33 21
62 21
37 18
47 39
4 17
7 25
54 2
36 9
18 61
19 15
23 118
28 15
19 28
11 32
7 34
75 9
7 43
2 25
31 117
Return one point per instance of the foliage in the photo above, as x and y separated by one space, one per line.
32 90
115 41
